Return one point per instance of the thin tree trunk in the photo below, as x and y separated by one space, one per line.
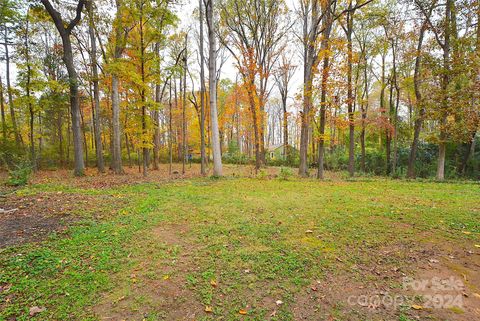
212 70
442 147
351 124
395 113
184 106
18 140
323 100
117 143
145 155
170 129
203 170
417 128
156 121
96 91
2 109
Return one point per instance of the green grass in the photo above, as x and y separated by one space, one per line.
233 226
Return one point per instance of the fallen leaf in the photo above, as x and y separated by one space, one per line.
208 309
309 231
166 277
242 312
279 302
314 288
35 310
467 233
477 245
213 283
417 307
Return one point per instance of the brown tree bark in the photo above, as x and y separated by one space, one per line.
65 31
96 90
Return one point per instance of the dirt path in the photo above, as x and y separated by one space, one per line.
158 287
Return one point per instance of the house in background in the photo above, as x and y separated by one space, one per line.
277 152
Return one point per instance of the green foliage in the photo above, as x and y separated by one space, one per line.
285 173
20 175
10 154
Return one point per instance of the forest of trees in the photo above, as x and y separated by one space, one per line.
382 87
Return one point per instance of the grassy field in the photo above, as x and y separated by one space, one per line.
244 249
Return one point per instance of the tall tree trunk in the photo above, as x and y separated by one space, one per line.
96 91
184 110
170 129
74 109
286 149
395 112
28 94
156 120
65 33
18 139
117 142
417 128
351 124
383 112
2 109
145 155
364 107
212 70
309 40
203 168
442 147
323 100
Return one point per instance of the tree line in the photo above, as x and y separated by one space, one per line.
381 86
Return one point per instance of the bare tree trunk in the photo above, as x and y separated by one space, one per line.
445 80
2 109
212 70
117 142
145 154
203 168
418 95
184 106
395 112
96 91
286 148
73 79
351 124
364 107
28 92
18 139
325 74
383 111
170 129
156 121
305 116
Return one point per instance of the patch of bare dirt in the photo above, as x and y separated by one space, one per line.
164 295
31 218
434 281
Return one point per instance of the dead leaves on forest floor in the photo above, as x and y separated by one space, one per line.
29 218
407 281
